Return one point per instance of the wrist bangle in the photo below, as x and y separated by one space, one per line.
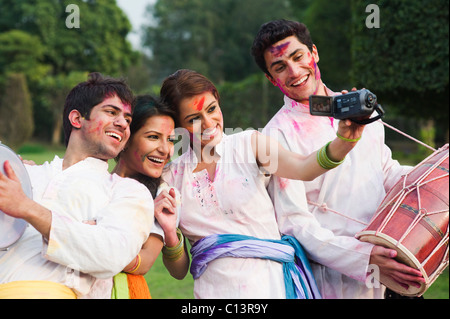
136 265
348 139
324 161
174 253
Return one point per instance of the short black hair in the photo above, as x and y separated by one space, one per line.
275 31
94 91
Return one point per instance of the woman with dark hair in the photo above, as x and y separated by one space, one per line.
226 211
147 152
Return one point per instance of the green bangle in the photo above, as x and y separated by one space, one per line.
323 159
174 253
348 139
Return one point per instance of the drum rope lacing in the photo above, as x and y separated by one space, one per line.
422 212
324 206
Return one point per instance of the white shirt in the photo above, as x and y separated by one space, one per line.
77 254
354 189
236 202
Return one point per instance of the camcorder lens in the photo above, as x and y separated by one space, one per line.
371 100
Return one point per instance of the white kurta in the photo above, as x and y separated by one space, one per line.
236 202
354 189
76 253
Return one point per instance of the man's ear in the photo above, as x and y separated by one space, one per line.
75 118
315 53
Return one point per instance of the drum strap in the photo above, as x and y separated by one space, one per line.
35 290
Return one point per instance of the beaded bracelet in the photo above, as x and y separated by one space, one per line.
348 139
323 159
174 253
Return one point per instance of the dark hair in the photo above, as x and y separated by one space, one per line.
185 84
145 108
94 91
275 31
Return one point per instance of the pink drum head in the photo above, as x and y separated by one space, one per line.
11 229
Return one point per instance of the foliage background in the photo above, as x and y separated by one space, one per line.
405 62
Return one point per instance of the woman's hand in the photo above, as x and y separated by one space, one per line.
166 215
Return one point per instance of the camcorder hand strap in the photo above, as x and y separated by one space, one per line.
380 115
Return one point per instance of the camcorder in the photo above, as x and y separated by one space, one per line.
357 106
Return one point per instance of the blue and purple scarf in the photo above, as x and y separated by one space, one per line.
298 277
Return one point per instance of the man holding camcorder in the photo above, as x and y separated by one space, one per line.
341 202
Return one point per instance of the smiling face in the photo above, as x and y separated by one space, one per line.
150 148
293 68
107 131
202 117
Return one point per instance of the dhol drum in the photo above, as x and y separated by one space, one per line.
413 220
11 229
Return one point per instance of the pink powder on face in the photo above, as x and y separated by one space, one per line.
127 109
280 86
98 128
280 49
313 65
317 71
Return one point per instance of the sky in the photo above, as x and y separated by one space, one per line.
135 10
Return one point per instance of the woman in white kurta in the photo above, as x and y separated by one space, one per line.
148 150
223 188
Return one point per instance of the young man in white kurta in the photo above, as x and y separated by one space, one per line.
59 245
79 255
354 190
342 201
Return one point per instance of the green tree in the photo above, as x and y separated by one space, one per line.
99 44
16 113
55 89
211 37
330 25
21 52
405 61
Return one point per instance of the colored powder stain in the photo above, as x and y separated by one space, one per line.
198 104
332 121
296 126
280 86
298 104
139 157
317 71
98 128
283 183
279 50
313 65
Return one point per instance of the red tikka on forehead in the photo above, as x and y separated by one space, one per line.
198 103
280 49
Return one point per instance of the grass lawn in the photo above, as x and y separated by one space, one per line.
161 284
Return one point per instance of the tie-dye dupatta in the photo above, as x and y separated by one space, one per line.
298 277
